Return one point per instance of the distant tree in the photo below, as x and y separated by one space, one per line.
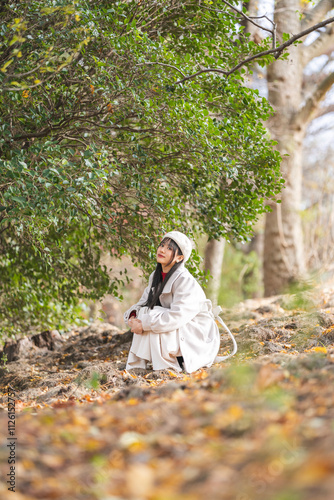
295 99
283 257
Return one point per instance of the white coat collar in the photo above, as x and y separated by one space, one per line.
168 287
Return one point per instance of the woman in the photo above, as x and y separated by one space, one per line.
173 323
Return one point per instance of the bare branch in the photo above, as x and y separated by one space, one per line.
251 20
312 102
58 127
324 43
277 52
67 137
6 227
22 75
325 111
27 87
162 64
42 82
318 12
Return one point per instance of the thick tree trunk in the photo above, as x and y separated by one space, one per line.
213 261
283 244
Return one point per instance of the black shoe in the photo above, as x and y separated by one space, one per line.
180 361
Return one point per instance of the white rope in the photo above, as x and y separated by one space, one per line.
216 311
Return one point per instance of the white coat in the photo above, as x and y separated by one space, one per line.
183 325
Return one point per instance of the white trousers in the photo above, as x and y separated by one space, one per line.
160 349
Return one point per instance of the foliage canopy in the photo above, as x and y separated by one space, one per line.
102 150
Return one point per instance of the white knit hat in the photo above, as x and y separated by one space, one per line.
183 241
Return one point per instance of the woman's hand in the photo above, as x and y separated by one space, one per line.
136 326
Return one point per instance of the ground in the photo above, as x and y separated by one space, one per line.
257 426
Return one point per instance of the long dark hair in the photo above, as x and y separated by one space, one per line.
158 284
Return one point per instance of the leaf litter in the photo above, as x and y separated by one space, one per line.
259 426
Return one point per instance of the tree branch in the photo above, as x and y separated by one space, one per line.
324 43
250 19
314 99
5 228
162 64
27 87
325 111
318 12
74 59
277 52
67 137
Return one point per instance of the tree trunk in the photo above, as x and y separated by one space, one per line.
252 8
255 276
283 244
213 261
12 350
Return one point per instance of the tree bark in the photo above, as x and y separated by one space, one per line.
213 261
317 13
283 244
252 7
14 350
255 245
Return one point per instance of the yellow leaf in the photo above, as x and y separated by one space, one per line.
313 471
235 411
27 464
172 374
126 374
133 401
5 66
212 431
320 349
17 38
37 81
200 374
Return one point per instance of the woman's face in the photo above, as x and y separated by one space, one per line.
165 256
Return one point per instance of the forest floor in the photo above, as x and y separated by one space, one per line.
256 427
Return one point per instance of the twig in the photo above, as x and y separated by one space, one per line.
251 19
276 51
163 64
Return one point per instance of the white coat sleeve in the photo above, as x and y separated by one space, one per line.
184 307
136 307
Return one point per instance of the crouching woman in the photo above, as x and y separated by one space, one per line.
173 323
